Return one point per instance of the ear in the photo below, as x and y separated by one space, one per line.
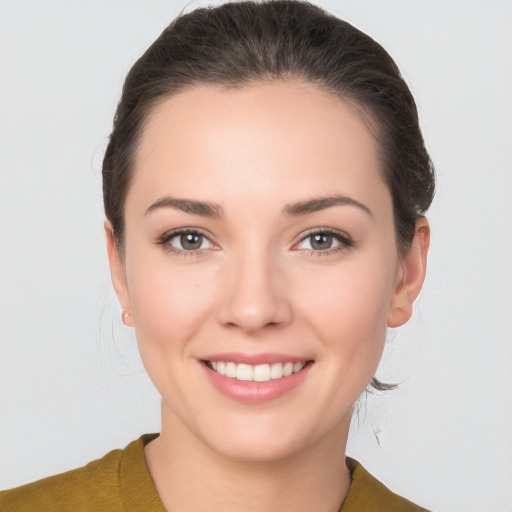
410 276
118 274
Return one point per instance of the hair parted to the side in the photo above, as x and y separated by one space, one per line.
234 44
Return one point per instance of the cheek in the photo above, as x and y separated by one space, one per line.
170 306
348 307
170 303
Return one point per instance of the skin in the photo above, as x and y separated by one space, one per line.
257 285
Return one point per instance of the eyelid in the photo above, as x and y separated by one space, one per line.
346 241
163 240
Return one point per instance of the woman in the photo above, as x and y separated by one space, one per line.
264 187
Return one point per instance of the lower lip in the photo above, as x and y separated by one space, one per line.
255 392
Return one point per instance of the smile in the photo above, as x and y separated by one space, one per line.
257 373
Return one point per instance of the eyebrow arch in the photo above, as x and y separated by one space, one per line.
203 208
322 203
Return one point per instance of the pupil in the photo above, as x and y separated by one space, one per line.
322 242
190 241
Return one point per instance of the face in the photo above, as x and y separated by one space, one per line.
260 268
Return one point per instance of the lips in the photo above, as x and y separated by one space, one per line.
256 378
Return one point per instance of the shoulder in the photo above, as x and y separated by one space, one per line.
105 484
96 482
367 494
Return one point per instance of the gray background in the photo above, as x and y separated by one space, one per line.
71 384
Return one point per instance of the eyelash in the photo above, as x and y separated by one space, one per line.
167 237
345 241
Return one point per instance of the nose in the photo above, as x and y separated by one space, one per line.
255 295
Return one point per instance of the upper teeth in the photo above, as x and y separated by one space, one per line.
258 373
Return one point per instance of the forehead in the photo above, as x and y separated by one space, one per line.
264 139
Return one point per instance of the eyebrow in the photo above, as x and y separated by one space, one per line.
214 210
322 203
203 208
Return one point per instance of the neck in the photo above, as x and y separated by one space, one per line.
190 476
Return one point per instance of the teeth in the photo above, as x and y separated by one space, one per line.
258 373
231 370
276 371
244 372
262 373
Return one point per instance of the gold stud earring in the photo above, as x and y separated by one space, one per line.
125 315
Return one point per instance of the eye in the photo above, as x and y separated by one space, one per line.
325 241
189 241
319 242
185 241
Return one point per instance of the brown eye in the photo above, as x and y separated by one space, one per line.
191 241
325 242
186 241
321 241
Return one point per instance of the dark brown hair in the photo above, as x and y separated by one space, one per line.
237 43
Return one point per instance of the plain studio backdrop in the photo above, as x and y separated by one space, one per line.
71 383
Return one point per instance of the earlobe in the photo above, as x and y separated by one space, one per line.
412 274
118 274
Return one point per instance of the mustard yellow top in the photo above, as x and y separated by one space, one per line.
120 482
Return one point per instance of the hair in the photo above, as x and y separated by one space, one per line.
236 44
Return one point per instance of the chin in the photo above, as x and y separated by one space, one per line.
263 439
262 449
